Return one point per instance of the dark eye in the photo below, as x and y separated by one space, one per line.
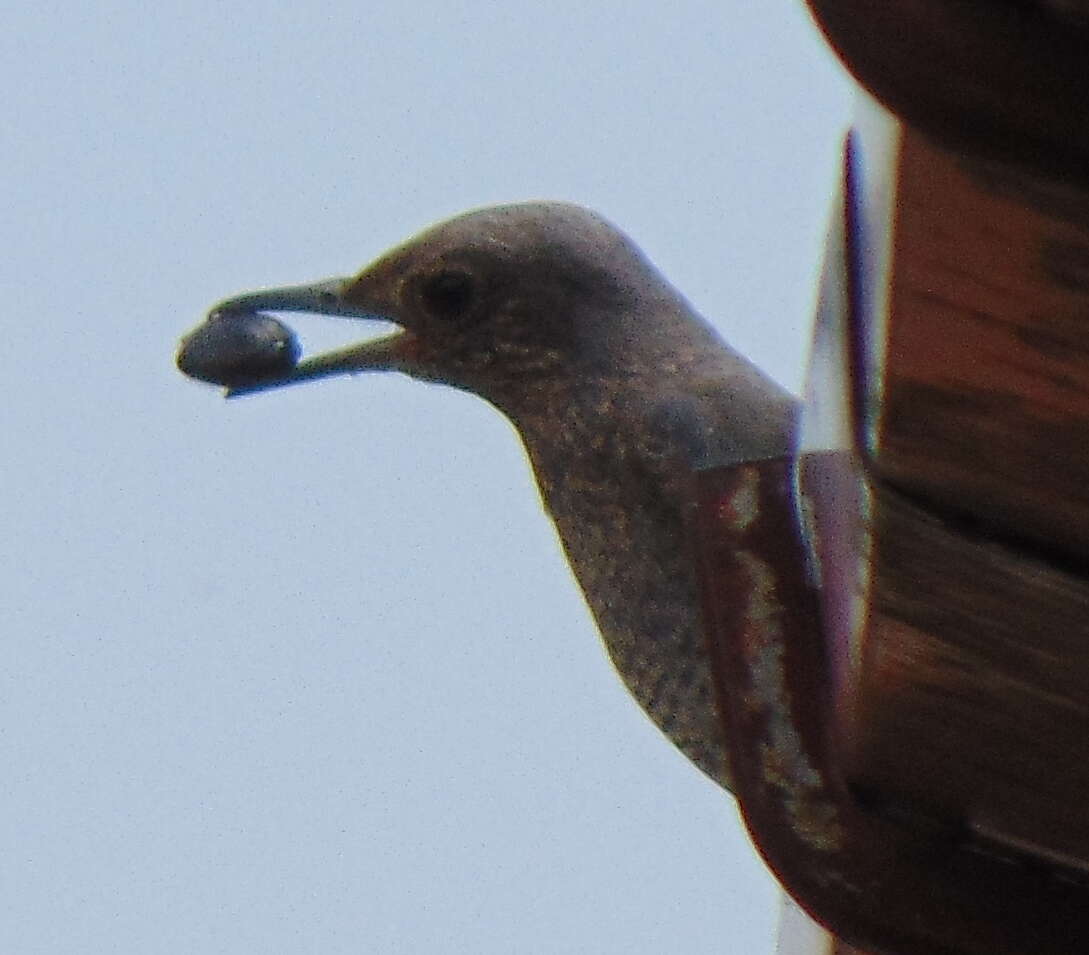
448 294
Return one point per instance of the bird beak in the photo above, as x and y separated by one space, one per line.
325 297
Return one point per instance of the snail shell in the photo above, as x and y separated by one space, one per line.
239 348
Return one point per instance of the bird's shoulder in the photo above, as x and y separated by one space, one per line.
714 420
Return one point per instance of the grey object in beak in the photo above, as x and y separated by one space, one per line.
246 350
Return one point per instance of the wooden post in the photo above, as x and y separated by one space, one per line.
900 615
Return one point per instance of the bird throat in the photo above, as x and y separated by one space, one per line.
622 505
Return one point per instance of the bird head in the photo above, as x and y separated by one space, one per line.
489 302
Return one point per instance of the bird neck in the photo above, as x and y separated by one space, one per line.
621 502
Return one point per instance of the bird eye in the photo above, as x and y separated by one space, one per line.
448 294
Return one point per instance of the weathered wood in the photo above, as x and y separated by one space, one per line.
905 682
882 875
969 697
937 710
971 703
984 76
1073 11
985 407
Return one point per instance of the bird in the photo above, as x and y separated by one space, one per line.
617 387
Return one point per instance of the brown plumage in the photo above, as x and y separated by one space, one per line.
617 388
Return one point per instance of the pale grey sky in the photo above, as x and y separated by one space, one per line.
306 673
